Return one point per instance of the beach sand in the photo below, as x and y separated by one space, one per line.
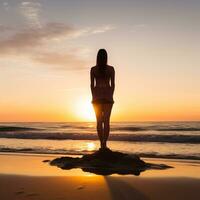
25 176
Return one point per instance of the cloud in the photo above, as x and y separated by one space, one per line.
61 60
30 38
93 30
5 5
102 29
38 44
30 42
31 11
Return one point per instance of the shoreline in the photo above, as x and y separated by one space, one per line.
145 156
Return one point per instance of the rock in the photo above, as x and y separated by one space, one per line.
105 162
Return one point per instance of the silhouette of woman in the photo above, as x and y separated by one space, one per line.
102 77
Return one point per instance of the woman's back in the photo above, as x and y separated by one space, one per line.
103 77
102 84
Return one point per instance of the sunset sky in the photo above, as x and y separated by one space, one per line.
48 46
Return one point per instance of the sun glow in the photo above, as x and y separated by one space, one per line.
84 109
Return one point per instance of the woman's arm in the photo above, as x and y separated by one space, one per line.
113 80
92 81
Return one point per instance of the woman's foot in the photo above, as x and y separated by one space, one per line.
103 146
105 150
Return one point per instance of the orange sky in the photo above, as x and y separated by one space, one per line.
48 47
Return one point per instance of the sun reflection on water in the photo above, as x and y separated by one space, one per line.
91 146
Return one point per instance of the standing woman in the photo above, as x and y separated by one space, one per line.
102 78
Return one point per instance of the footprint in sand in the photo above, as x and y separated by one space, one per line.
19 192
80 187
32 195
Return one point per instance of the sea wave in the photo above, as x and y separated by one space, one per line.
135 128
74 152
155 128
16 128
169 138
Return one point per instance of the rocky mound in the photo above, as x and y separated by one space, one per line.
106 162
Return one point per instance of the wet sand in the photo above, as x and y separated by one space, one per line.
27 177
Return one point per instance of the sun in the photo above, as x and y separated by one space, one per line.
84 109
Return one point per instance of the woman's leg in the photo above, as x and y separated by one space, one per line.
107 108
99 116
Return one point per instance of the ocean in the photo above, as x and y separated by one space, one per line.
179 140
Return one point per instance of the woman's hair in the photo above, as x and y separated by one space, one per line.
102 60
